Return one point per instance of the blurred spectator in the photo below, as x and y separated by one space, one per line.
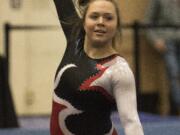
8 118
167 41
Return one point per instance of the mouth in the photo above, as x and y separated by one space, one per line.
100 31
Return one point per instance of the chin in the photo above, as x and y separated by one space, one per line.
99 43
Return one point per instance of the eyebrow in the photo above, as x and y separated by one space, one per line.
97 13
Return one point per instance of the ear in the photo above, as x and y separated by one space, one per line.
84 23
84 26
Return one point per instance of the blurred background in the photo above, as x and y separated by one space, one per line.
32 45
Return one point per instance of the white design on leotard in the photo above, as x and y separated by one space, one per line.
70 110
58 78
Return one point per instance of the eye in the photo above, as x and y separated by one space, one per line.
93 16
108 17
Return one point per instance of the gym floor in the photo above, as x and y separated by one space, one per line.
152 125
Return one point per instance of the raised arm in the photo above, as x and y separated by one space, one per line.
125 94
66 13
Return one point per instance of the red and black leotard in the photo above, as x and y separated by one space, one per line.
84 88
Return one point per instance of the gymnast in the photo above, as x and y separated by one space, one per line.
92 77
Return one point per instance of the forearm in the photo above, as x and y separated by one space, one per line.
66 13
126 104
64 8
132 125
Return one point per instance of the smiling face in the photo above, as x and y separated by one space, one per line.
100 22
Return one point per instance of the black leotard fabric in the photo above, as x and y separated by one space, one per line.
82 99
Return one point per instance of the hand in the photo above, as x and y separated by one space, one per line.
160 46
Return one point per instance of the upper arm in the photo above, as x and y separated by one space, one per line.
66 13
125 95
124 89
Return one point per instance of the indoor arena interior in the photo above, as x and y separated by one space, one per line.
32 44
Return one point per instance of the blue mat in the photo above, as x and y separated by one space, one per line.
152 125
24 131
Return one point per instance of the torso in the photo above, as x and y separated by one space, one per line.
83 99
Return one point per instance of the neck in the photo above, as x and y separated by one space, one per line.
98 50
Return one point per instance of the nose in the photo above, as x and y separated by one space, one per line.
101 20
